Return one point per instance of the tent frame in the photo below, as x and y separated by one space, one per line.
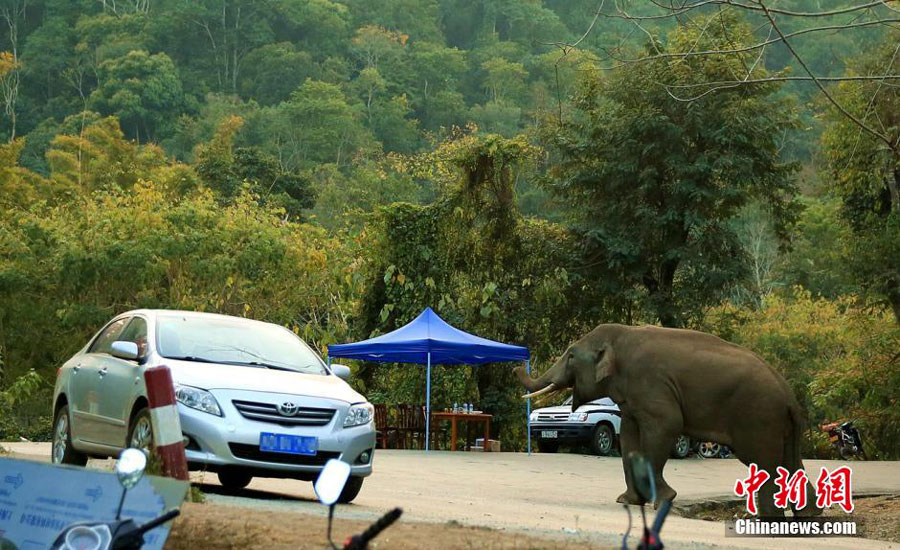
428 404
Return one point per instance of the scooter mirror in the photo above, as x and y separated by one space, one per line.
331 481
642 478
130 467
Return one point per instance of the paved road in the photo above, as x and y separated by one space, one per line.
541 494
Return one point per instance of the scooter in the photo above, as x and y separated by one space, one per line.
845 438
328 488
121 534
644 482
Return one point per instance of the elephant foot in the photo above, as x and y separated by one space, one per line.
629 497
664 493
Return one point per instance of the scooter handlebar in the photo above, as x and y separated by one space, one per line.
664 508
361 541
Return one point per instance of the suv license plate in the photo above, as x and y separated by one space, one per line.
288 444
548 434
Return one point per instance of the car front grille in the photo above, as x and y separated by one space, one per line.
552 417
268 412
252 452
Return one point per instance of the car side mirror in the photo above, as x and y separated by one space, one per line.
642 478
124 350
341 371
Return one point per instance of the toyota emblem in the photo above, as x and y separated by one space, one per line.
287 409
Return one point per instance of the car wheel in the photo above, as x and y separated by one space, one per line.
708 449
682 447
547 446
351 490
603 440
234 479
140 433
62 450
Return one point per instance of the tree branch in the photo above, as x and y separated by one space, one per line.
821 87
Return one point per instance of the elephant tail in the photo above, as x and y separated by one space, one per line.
792 441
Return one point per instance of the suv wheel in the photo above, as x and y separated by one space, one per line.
234 479
62 451
603 440
140 433
547 446
351 490
682 447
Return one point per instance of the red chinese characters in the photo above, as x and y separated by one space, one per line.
832 488
791 490
750 486
835 488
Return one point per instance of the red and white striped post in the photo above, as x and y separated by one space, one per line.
166 424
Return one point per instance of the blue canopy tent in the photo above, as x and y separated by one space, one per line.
429 340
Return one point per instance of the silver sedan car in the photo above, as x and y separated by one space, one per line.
253 398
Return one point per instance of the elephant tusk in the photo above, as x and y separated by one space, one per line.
548 389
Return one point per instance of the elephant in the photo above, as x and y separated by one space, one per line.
670 381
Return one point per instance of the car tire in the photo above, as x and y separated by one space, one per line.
603 440
62 451
682 447
709 449
140 432
351 490
234 479
547 446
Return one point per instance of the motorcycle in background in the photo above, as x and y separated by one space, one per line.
845 438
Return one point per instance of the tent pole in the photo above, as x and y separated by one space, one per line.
528 408
428 404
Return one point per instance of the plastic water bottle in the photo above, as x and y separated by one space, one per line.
455 407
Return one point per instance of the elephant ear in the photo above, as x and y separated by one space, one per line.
604 362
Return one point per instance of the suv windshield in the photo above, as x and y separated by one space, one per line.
234 342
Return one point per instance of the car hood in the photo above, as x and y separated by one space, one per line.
587 407
231 377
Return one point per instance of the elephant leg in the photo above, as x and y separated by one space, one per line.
629 440
658 436
760 448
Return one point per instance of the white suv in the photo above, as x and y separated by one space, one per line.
595 423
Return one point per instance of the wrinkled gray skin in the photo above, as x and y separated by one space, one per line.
672 381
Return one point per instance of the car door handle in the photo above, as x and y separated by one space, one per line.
102 372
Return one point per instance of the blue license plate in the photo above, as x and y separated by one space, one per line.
288 444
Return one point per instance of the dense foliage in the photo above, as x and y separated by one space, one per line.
337 165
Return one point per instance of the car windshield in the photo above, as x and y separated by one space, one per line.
234 341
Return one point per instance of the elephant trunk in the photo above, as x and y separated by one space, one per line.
549 382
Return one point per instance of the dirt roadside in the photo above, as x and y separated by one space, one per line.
215 527
510 497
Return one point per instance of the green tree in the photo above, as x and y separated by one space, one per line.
143 91
271 72
231 171
866 173
653 182
317 125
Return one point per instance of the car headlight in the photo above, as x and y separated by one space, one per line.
534 417
196 398
578 417
359 414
